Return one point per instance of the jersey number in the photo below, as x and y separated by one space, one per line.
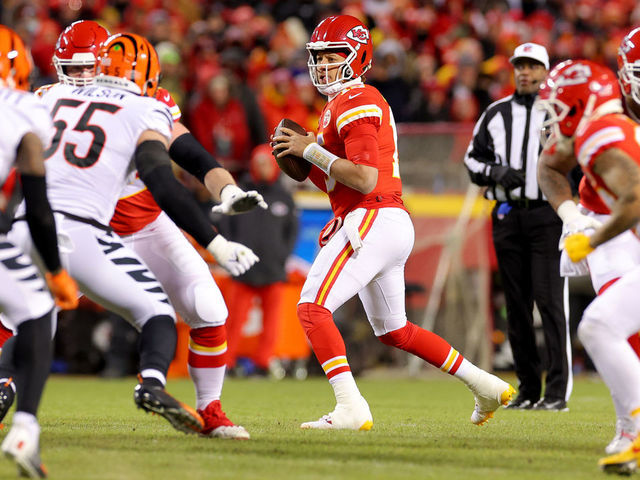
83 125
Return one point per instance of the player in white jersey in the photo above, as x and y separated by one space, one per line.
155 238
24 299
100 129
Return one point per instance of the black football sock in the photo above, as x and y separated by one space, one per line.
157 344
32 360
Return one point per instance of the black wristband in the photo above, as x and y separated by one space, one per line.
40 220
187 152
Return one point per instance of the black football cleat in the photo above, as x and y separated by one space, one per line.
551 405
7 395
521 403
156 400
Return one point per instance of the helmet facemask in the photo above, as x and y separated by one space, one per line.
317 70
78 60
629 75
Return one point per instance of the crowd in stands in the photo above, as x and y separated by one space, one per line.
237 68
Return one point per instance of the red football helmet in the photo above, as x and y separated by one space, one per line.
15 60
348 36
575 92
78 46
629 65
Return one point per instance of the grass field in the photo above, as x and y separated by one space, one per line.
92 430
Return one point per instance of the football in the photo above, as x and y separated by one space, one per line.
296 167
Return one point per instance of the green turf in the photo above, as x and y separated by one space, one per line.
91 430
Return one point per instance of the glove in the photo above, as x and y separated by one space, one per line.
234 200
63 289
233 257
508 177
574 221
577 246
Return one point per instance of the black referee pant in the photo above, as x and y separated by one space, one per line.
526 242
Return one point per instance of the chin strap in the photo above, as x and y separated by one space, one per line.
332 90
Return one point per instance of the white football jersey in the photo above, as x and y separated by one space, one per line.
22 112
91 155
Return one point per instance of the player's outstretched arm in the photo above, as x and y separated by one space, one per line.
154 167
40 219
187 152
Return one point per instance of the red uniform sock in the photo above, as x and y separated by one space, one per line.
325 339
426 345
208 347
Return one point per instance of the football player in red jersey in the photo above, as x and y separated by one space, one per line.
148 231
355 161
586 117
617 256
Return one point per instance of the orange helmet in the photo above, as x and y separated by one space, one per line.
15 60
129 61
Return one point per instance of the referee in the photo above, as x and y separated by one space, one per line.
503 156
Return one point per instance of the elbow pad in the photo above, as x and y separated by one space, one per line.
187 152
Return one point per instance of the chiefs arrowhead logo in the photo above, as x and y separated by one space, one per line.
627 45
359 34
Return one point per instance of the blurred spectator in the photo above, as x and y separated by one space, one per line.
278 99
271 234
234 60
219 123
171 65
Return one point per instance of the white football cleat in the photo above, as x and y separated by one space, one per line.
355 416
490 393
22 446
626 433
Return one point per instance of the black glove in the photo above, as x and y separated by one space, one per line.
508 177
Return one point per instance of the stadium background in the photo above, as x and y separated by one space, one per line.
237 68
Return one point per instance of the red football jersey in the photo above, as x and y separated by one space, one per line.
610 131
355 106
136 208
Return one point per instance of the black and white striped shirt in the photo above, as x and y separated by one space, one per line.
507 133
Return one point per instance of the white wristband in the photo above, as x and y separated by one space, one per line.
319 156
568 211
228 191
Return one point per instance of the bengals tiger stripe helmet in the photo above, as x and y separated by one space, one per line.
130 62
15 60
347 36
78 46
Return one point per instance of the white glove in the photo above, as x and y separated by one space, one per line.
574 221
234 200
232 256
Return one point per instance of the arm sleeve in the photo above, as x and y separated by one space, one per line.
40 220
187 152
361 144
480 156
154 167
